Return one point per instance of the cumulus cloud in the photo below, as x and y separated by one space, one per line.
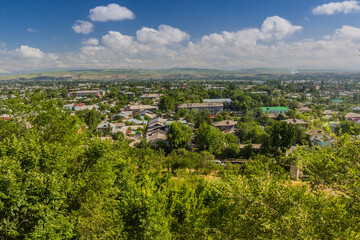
164 35
337 7
265 46
348 33
83 27
278 28
273 28
90 41
111 12
116 40
32 30
29 53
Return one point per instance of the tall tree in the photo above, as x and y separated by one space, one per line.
209 138
179 135
282 135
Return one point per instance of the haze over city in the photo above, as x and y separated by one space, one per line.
229 34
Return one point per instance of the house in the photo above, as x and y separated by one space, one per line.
353 117
225 125
218 100
83 93
304 109
330 112
5 117
137 122
280 110
275 115
151 96
105 127
156 136
137 109
121 115
319 138
212 107
356 109
147 113
337 101
156 123
118 127
129 94
294 121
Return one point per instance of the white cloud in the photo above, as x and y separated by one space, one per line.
83 27
347 33
164 35
337 7
2 45
265 46
111 12
278 28
32 30
90 41
273 28
29 52
116 40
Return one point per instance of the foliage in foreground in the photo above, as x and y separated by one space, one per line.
57 184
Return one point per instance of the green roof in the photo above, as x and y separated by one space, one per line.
266 109
337 100
324 144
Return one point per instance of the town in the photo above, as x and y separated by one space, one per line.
233 120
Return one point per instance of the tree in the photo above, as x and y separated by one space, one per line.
294 104
167 103
179 135
209 138
282 135
347 127
249 132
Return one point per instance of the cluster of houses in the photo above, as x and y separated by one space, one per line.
156 128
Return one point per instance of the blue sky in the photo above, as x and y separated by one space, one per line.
227 34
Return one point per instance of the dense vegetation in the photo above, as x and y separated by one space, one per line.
57 182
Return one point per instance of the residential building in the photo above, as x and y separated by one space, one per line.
138 108
280 110
218 100
83 93
353 117
225 125
294 121
129 94
151 96
212 107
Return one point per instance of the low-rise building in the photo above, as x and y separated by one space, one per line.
83 93
353 117
129 94
151 96
294 121
212 107
217 100
138 108
225 125
280 110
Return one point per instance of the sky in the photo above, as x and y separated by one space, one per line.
42 35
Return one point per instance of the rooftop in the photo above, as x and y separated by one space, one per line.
200 105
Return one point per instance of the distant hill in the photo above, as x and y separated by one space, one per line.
96 74
164 74
266 71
